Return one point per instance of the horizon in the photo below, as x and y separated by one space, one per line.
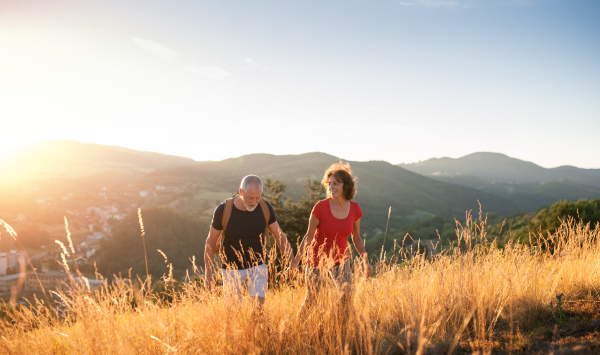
7 157
399 81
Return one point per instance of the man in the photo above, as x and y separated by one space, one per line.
243 255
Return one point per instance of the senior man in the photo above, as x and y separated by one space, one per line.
238 234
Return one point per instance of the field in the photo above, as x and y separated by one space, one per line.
473 298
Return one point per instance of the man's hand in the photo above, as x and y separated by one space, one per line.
209 284
292 271
209 253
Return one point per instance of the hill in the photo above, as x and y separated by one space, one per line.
45 181
64 177
380 185
68 159
528 185
479 300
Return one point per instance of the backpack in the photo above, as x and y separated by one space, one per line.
227 215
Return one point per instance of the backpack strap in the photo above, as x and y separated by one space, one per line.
265 210
224 222
227 213
267 213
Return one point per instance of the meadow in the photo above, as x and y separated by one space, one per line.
472 297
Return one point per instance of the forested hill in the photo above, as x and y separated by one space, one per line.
528 185
380 185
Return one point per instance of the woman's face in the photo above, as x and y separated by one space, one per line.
335 187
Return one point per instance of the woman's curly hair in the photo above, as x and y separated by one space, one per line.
342 172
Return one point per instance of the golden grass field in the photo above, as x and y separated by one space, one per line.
472 299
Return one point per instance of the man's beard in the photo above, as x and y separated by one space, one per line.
248 208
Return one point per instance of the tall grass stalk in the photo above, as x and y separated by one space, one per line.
71 246
13 234
467 297
385 234
141 221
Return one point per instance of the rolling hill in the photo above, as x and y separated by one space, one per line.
380 185
68 159
528 185
449 188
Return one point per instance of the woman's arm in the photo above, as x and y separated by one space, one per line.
360 247
313 223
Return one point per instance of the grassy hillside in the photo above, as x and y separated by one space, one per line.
475 299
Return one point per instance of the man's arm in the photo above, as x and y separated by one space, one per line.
360 247
282 241
210 249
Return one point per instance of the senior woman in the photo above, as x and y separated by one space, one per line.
325 245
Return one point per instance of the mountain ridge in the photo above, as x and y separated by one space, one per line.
411 193
69 159
527 184
500 167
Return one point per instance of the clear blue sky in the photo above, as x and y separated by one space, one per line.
400 81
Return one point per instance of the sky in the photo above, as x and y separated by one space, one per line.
400 81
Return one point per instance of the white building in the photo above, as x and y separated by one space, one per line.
8 282
10 260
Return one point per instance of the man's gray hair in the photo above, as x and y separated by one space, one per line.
251 181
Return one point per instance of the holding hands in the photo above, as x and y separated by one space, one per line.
292 271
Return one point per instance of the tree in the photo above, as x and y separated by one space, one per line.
179 237
293 216
549 219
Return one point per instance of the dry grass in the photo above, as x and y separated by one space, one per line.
473 298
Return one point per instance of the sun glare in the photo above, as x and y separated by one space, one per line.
8 148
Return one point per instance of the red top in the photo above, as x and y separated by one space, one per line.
330 241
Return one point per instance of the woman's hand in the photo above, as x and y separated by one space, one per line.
368 269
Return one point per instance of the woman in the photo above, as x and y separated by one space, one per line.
326 242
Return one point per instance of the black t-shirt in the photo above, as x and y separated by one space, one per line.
243 245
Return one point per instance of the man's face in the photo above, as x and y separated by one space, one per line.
251 198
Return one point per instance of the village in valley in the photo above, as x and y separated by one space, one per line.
90 223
